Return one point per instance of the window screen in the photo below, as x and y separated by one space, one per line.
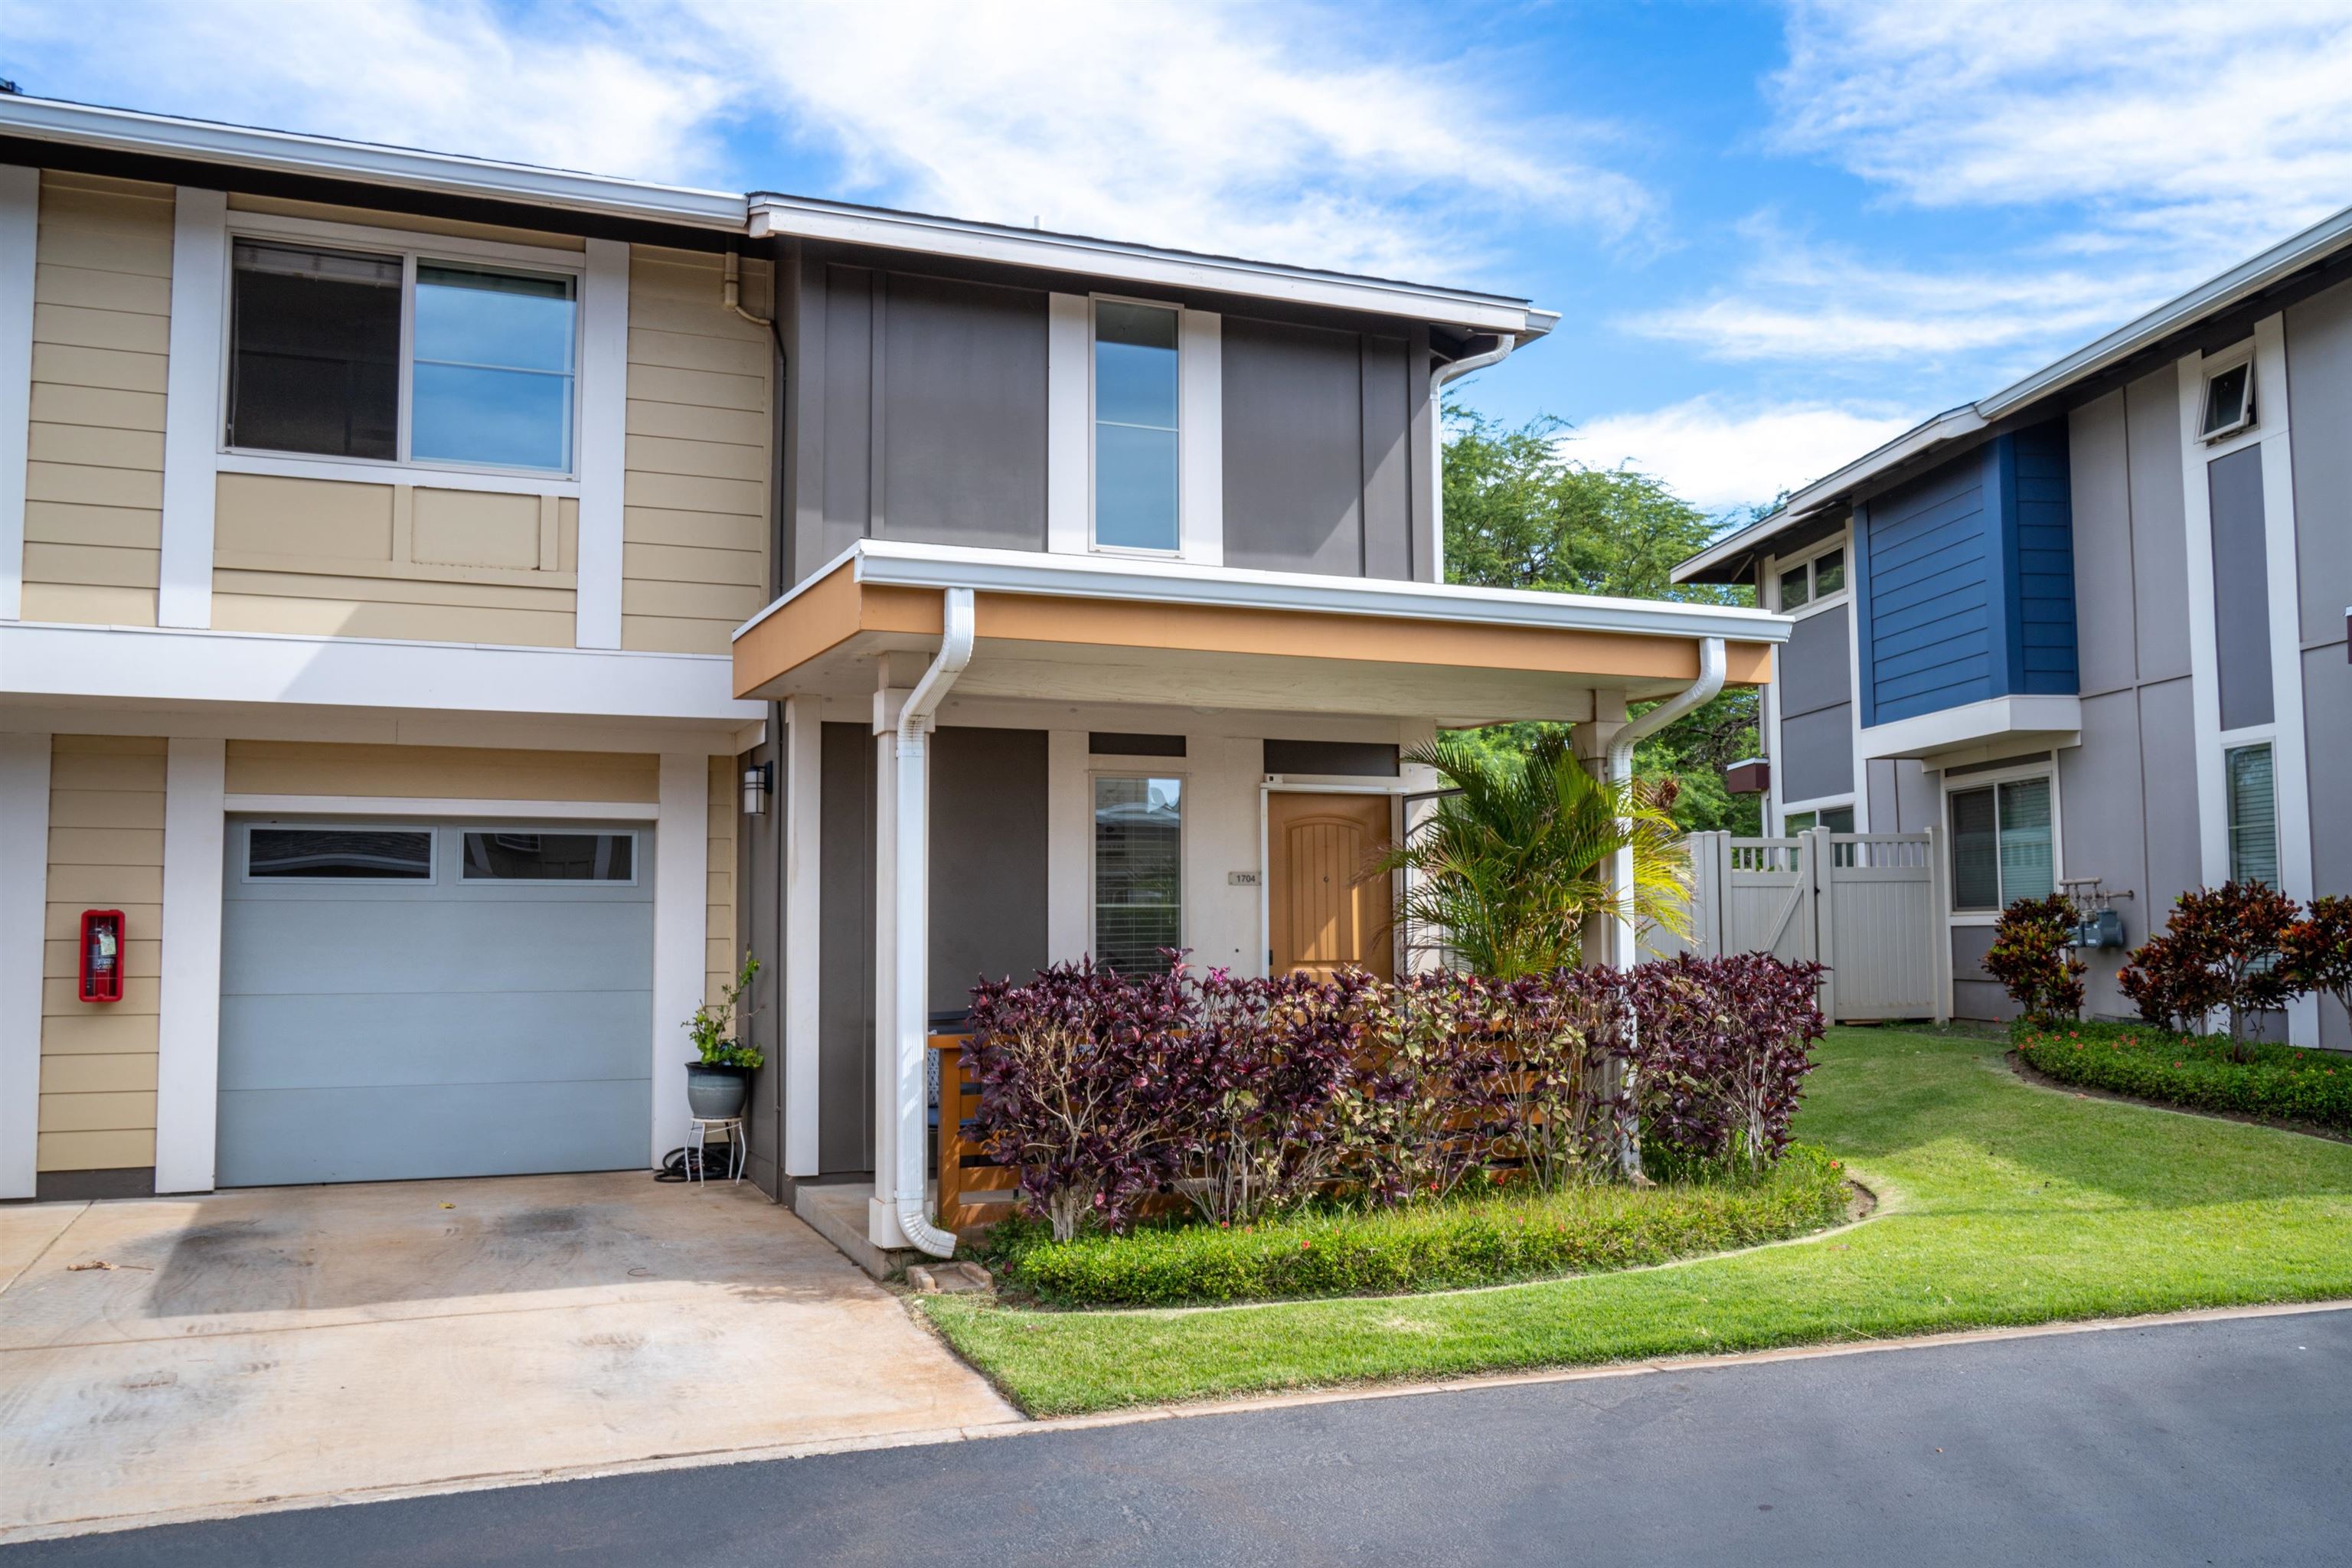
550 856
1976 858
314 357
341 854
1139 872
494 366
2254 815
1135 428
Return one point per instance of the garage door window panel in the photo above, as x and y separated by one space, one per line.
506 855
338 853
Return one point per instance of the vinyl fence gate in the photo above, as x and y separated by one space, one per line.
1866 905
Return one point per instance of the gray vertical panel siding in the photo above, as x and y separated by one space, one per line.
1294 447
2106 636
988 860
1421 441
1919 798
1388 463
845 467
1975 993
2159 554
2327 741
2103 823
845 952
2167 760
964 421
759 930
2241 593
1817 752
2319 391
1815 669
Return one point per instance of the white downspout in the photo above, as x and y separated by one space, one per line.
911 912
1443 374
1620 772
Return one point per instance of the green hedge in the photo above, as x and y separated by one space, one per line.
2194 1070
1484 1239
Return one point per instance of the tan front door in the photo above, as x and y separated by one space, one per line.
1324 910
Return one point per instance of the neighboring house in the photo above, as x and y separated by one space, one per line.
453 610
2093 627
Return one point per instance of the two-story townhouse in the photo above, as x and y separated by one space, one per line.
455 610
2093 626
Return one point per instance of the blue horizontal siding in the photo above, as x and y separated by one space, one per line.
1964 580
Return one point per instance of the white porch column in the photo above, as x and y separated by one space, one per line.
803 764
1590 742
187 1044
24 911
895 678
681 914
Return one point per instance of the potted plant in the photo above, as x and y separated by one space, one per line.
719 1080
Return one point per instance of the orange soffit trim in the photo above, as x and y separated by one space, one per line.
827 613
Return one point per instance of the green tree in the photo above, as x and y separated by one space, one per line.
1521 513
1509 865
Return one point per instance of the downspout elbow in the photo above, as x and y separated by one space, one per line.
912 976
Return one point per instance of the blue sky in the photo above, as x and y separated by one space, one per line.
1778 234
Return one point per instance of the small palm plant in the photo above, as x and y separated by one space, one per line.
1512 863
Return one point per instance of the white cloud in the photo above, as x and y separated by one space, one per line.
1718 455
1217 127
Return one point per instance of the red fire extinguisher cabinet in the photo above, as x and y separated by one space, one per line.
102 955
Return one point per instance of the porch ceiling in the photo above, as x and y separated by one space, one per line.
1080 629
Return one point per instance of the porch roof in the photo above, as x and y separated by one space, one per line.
1096 629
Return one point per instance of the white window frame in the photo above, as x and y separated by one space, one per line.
1845 802
411 248
2249 415
1133 769
2040 767
1811 559
2242 740
1094 425
432 831
541 829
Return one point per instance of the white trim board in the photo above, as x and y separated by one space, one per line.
403 807
20 222
2044 720
192 380
23 921
681 950
187 1070
602 439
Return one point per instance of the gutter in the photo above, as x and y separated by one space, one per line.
1454 371
910 912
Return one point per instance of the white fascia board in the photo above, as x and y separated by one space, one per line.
900 564
173 665
801 217
1927 735
326 157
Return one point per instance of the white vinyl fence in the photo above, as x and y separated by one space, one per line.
1863 904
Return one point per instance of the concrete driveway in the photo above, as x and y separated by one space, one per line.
321 1341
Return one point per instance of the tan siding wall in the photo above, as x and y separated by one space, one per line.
695 530
106 852
94 474
449 772
720 930
330 558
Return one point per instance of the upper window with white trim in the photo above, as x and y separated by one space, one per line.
398 357
2229 401
1135 427
1812 580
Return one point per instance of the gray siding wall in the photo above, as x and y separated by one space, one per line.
2241 593
1326 442
988 860
1817 719
921 413
845 952
2319 382
1904 797
759 930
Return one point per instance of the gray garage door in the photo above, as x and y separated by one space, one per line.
411 999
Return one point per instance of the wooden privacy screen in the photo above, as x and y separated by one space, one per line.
974 1190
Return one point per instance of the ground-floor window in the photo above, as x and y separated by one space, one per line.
1836 818
2002 845
2253 815
1139 909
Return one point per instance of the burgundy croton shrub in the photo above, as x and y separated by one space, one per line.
2032 956
2221 950
1246 1095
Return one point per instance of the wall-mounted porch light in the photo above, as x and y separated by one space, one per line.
759 783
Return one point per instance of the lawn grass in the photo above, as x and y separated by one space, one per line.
2000 1204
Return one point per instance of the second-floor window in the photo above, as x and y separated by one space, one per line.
1136 502
398 358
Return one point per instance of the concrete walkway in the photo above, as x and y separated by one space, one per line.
325 1341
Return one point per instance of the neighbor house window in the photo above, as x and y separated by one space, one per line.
1139 872
2254 815
1836 818
1817 578
317 364
2002 845
550 857
338 853
1136 505
2229 402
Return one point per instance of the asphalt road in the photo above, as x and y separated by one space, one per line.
2225 1443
